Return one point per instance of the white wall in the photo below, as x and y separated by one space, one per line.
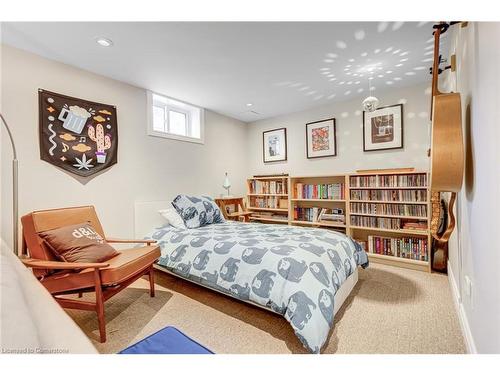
148 168
474 248
350 155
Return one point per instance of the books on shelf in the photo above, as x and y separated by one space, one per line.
404 247
389 209
386 223
320 191
269 215
397 180
392 195
268 187
268 202
317 214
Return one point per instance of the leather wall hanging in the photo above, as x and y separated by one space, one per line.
77 135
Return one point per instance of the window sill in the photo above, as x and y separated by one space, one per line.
182 138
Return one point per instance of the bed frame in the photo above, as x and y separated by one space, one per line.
146 217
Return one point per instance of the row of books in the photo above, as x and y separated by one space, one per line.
390 195
269 215
386 223
320 191
405 180
265 202
389 209
268 187
315 214
405 247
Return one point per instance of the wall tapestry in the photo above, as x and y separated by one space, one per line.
321 140
76 135
274 145
383 128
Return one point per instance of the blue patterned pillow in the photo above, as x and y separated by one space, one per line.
197 211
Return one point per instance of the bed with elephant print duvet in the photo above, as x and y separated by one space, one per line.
294 271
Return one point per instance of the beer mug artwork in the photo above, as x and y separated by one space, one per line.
74 118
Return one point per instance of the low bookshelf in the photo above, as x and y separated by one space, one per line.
319 201
389 213
267 198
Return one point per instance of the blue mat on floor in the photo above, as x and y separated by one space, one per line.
168 340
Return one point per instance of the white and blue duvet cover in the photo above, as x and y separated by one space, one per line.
295 271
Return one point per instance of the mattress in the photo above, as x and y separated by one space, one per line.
294 271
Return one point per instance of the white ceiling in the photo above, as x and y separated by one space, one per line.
280 67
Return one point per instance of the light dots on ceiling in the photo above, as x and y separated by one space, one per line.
410 73
332 55
397 25
403 60
331 96
397 78
382 26
364 54
388 49
360 90
328 60
104 42
419 68
398 65
376 51
359 35
428 53
249 104
388 72
351 60
347 92
427 59
341 44
332 79
389 82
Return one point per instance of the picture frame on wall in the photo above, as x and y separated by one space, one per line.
383 128
321 139
274 146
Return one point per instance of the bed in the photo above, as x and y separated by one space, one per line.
303 274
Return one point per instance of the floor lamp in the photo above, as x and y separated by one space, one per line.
15 165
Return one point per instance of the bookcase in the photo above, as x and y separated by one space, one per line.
313 198
268 199
387 212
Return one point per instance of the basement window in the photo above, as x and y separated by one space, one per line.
170 118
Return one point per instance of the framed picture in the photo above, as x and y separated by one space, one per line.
321 139
383 128
274 145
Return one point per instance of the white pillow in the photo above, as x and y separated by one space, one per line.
173 218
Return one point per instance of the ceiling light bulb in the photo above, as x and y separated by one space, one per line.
104 42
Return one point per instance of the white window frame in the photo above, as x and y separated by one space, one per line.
171 107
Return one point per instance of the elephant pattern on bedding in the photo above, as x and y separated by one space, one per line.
295 271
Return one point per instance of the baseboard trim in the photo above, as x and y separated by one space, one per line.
462 317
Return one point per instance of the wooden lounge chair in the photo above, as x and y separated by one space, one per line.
65 278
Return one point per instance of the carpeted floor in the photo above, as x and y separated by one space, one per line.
391 310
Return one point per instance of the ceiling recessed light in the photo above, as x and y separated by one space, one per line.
104 42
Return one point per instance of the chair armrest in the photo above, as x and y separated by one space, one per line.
118 240
54 265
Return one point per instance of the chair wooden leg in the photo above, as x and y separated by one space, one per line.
151 282
80 295
99 301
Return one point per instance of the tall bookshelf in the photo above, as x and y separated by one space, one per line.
389 212
268 199
309 195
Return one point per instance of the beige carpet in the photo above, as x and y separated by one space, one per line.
391 310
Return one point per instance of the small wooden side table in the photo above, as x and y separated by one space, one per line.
240 212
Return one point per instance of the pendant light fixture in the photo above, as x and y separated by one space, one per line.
371 103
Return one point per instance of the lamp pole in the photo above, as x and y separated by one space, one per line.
15 211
